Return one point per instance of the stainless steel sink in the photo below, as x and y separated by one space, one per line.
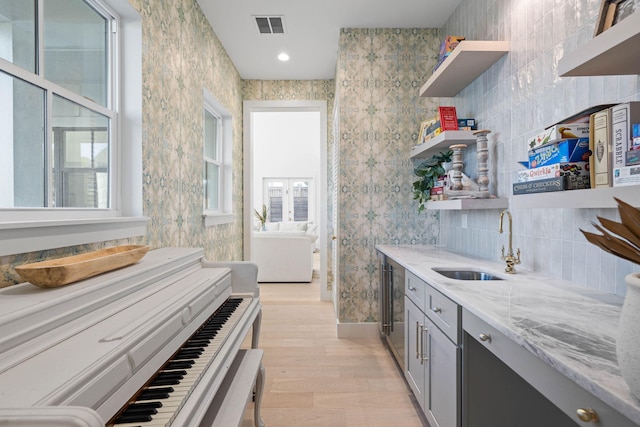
466 274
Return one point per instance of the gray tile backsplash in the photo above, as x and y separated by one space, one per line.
517 97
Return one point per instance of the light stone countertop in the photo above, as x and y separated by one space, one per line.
569 327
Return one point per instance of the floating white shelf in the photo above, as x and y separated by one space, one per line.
591 198
615 51
466 63
463 204
442 143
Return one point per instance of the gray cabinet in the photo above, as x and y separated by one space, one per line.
414 362
432 355
442 379
505 386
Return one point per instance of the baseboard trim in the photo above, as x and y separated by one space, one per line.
357 330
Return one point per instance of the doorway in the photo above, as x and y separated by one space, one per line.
284 153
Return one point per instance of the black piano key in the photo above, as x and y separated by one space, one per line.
184 354
144 405
197 343
133 418
179 364
140 410
155 393
158 382
209 334
167 378
172 374
209 330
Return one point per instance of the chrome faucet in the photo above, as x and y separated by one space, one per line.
509 258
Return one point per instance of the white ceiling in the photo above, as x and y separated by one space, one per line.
312 31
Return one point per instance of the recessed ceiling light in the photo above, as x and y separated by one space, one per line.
283 57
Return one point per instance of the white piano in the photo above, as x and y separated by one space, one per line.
159 342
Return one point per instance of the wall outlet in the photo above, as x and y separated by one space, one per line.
464 220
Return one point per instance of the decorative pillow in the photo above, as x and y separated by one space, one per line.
312 228
293 226
272 226
285 235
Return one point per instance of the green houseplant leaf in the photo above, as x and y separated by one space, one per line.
428 173
262 217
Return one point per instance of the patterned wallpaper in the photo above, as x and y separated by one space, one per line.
290 90
181 56
378 78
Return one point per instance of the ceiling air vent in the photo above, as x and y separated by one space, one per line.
270 24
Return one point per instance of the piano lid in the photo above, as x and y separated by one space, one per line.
99 345
28 311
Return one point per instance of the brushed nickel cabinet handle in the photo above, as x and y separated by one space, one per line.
436 309
417 340
485 337
424 358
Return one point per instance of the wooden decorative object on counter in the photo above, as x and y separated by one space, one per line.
62 271
625 240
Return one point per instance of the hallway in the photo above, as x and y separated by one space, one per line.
313 378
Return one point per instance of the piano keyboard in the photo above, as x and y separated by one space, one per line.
158 403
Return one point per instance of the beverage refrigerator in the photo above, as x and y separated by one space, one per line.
391 306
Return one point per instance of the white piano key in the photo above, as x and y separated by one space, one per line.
176 400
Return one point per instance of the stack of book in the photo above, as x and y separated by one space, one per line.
446 119
625 143
437 192
601 153
446 47
616 158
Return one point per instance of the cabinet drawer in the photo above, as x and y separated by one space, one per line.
443 312
415 288
559 390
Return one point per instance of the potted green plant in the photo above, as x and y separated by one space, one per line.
428 173
262 217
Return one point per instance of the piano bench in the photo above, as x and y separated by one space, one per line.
245 375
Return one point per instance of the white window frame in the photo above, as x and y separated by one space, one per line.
34 229
288 196
224 213
216 160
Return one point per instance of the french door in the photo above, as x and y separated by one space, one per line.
288 199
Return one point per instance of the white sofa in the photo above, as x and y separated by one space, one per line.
306 226
284 256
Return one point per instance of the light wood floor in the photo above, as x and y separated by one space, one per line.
313 378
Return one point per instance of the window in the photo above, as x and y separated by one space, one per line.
59 130
212 161
66 102
217 171
287 199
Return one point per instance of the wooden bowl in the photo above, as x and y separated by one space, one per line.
62 271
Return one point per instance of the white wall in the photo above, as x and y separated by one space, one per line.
286 145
